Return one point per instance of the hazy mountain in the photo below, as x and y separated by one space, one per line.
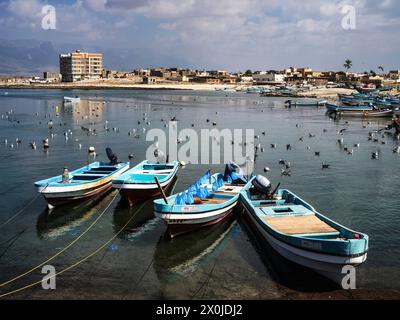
27 57
32 57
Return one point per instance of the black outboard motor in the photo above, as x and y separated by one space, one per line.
111 156
262 186
235 173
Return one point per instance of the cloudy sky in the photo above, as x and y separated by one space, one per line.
211 34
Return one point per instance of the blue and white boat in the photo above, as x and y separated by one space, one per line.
306 103
299 233
331 107
138 184
88 181
208 201
364 111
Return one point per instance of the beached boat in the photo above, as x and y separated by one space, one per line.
367 89
360 108
138 183
382 103
71 99
358 111
394 101
208 201
355 99
301 234
80 184
305 103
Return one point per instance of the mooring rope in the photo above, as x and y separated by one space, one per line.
21 210
206 281
13 239
64 249
79 261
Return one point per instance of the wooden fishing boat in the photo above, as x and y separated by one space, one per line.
209 201
82 183
301 234
355 99
365 113
306 103
360 108
367 90
138 183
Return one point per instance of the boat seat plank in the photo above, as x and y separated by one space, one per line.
306 224
229 193
214 201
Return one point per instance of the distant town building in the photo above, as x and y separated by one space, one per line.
80 65
268 77
51 76
394 75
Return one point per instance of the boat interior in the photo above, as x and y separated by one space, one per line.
93 173
289 215
223 194
147 172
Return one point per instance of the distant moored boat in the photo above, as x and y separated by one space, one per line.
71 99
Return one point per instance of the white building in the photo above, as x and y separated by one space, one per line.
269 77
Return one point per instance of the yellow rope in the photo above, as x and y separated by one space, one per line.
79 261
63 250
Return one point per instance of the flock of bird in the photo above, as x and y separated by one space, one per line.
90 129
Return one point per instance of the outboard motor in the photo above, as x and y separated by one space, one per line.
262 186
235 173
160 156
111 156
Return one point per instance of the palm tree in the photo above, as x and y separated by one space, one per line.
381 68
348 64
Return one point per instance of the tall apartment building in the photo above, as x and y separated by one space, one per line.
80 65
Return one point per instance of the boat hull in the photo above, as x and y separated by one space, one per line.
58 199
57 194
366 114
329 266
176 227
138 194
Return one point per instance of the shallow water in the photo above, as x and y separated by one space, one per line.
220 262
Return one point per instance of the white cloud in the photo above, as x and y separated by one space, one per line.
228 32
27 10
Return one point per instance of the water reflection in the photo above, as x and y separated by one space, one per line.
183 254
281 270
67 219
143 220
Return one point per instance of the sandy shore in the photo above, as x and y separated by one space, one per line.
121 84
118 85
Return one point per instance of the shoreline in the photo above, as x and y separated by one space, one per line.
324 93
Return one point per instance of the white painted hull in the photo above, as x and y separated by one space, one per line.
59 195
330 266
183 223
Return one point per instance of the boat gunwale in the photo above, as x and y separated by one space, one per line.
77 183
121 182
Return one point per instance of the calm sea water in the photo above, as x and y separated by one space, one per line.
224 261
